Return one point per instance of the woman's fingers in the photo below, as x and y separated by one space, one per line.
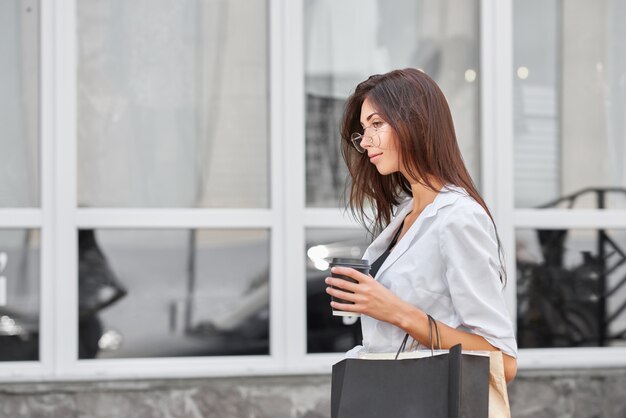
345 295
360 294
347 307
342 284
367 296
350 272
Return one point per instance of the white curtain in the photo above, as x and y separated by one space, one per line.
19 104
172 103
592 102
615 105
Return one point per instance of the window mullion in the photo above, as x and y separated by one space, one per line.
497 126
569 218
294 168
46 135
65 281
278 279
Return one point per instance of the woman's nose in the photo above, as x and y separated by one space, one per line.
366 141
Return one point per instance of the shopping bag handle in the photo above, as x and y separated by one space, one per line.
431 322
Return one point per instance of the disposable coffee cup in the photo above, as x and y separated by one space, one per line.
356 263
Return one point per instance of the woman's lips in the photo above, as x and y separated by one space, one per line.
375 157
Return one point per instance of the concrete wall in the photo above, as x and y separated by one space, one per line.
549 394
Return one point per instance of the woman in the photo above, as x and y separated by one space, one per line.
438 252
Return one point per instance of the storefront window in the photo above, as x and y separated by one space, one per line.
325 332
571 287
173 293
173 104
570 102
19 294
347 41
19 104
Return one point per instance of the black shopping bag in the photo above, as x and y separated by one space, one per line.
450 385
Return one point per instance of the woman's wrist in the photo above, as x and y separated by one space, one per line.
410 319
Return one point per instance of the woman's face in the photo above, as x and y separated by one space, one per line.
379 140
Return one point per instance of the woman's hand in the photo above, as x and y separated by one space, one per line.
375 300
370 297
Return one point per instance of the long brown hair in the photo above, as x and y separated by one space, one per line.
416 109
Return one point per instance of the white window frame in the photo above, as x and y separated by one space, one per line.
36 218
70 219
497 127
287 218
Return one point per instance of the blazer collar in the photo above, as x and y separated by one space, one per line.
447 196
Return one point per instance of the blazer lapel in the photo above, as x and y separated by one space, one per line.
382 241
444 198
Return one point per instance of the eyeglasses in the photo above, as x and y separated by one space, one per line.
372 139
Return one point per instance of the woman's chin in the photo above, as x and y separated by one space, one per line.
385 171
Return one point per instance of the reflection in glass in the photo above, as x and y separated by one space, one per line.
325 332
19 305
347 41
19 103
571 288
173 293
569 100
98 288
172 103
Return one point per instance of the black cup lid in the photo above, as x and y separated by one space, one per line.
352 261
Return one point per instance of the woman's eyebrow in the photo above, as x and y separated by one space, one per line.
369 117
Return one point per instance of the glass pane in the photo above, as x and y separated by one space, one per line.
173 103
19 294
325 332
570 103
347 41
19 103
171 293
571 288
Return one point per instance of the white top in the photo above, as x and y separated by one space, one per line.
447 265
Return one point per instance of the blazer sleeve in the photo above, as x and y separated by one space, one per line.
469 250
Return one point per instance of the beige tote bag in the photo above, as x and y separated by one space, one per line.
498 395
